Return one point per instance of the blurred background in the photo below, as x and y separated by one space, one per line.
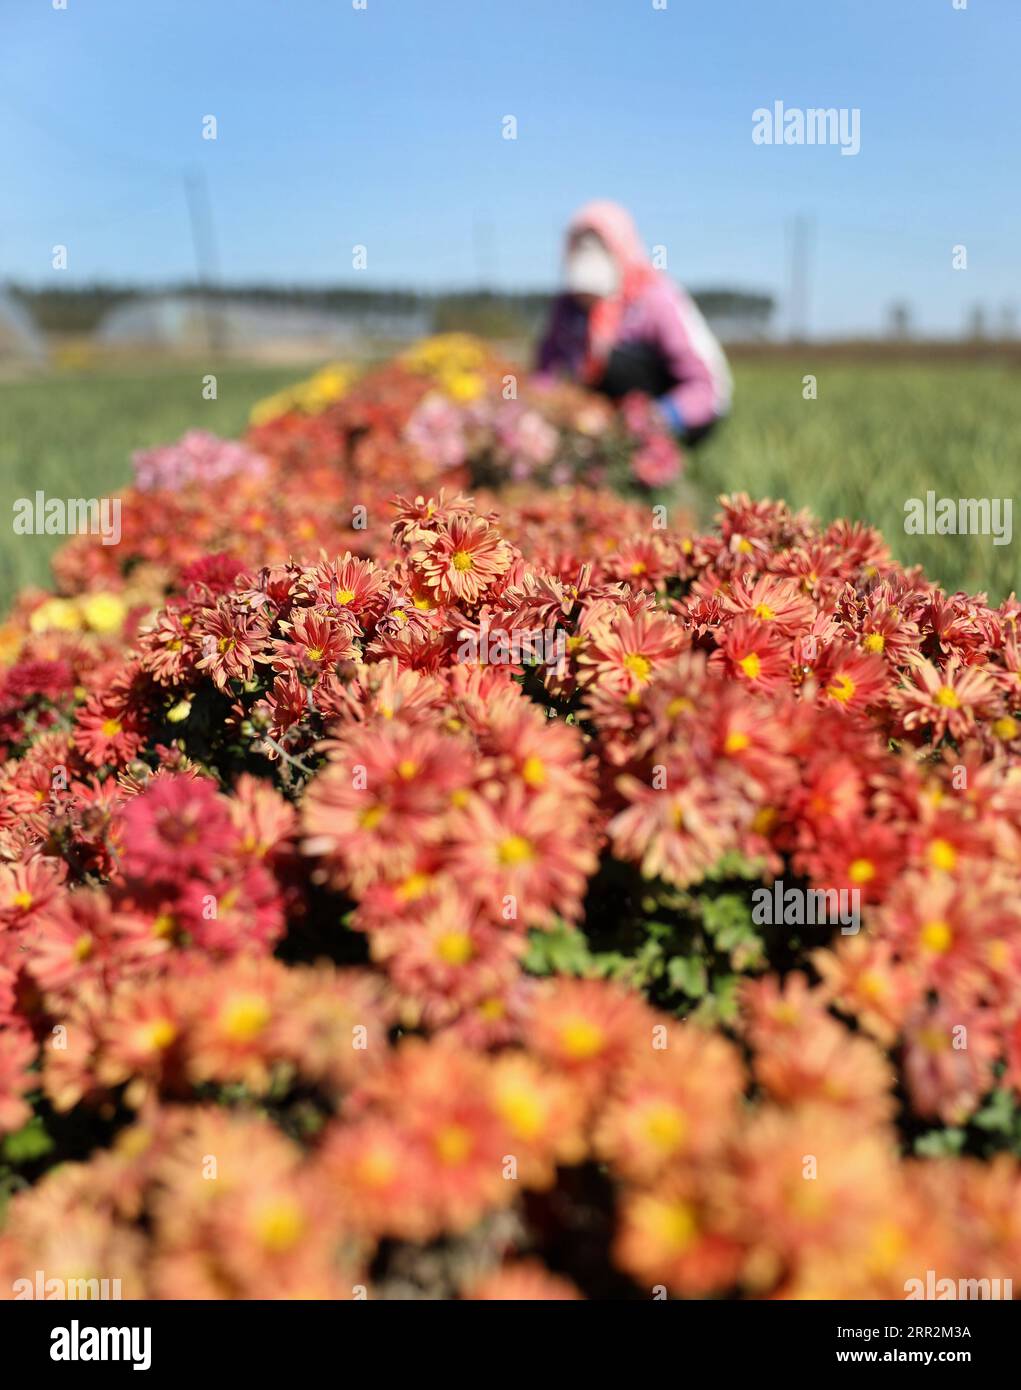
249 190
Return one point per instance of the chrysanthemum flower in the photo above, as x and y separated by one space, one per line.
543 1115
861 978
28 889
141 1037
673 1238
386 792
810 1058
463 560
236 1009
850 678
674 1103
312 643
811 1179
678 825
229 642
949 1053
753 652
777 602
109 730
175 829
519 860
445 962
946 701
591 1029
17 1053
625 653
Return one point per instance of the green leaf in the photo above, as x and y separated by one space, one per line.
28 1143
940 1143
999 1115
562 950
688 974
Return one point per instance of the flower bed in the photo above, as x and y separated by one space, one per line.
418 893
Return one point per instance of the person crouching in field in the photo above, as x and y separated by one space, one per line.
623 326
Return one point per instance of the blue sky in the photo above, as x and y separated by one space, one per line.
382 127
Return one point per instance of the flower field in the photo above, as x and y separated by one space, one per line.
406 836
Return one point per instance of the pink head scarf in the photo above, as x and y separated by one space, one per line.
614 226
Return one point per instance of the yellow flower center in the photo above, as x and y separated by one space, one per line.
515 849
942 855
841 688
22 900
861 870
1005 728
736 741
370 817
751 665
533 771
345 595
948 698
582 1039
674 1223
279 1224
666 1127
413 887
244 1017
522 1111
872 985
377 1168
111 727
874 642
462 560
455 948
889 1243
763 611
936 936
453 1143
157 1035
639 666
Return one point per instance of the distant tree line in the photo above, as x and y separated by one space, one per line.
490 313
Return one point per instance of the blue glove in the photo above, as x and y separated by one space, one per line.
671 413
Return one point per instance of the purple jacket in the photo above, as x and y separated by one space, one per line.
666 317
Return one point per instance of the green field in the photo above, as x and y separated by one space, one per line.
875 436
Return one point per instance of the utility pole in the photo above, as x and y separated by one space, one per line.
484 246
800 242
203 236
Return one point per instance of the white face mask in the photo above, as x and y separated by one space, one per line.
590 269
